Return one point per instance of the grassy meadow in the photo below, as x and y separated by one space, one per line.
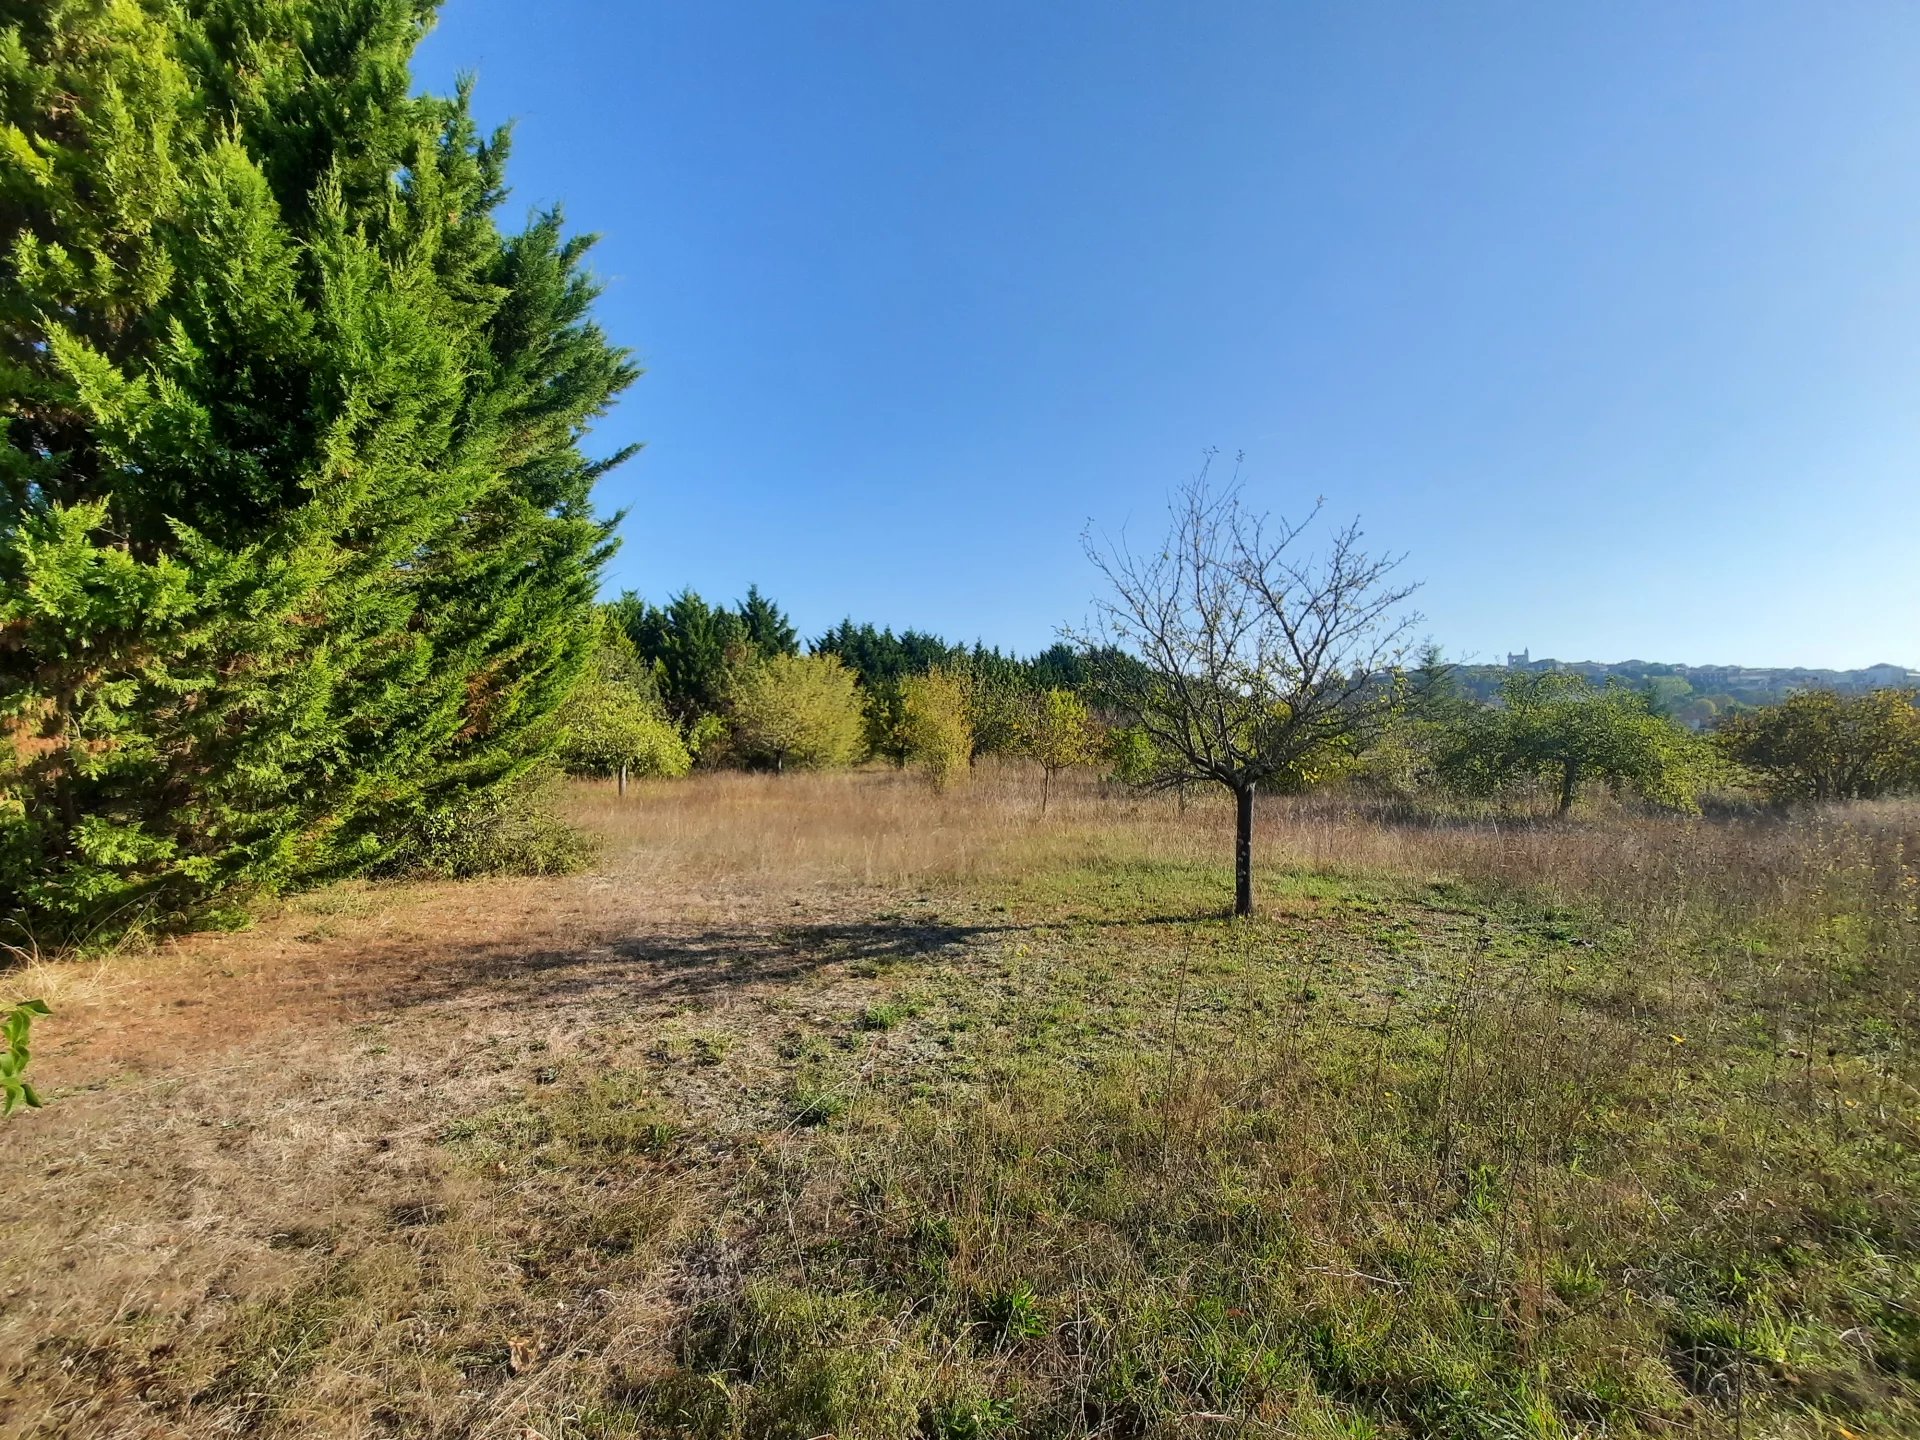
825 1105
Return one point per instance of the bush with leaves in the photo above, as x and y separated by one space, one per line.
17 1030
1818 745
883 711
798 710
934 727
1562 731
613 722
1131 756
515 830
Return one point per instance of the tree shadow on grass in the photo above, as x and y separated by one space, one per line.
695 966
669 966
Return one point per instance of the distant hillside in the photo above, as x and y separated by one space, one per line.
1695 695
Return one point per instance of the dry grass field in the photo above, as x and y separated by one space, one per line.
823 1105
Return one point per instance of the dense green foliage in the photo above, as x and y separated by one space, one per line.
296 551
16 1029
689 645
766 625
1563 731
936 731
613 722
1821 746
880 657
798 710
513 829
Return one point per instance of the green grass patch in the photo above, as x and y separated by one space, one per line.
1399 1158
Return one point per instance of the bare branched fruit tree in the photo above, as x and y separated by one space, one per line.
1246 655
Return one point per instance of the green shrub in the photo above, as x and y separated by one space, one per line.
797 710
935 728
513 832
17 1029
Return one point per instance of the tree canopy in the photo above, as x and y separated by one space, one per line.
766 625
296 542
935 730
1563 730
1057 731
799 710
880 657
1821 746
1242 661
613 722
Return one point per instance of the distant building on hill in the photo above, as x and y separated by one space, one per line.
1879 675
1517 662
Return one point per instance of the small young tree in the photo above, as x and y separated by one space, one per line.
16 1027
801 710
1241 658
1059 732
1821 746
996 703
613 723
934 727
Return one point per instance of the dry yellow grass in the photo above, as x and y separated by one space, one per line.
884 829
395 1163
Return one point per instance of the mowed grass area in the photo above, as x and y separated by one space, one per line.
828 1106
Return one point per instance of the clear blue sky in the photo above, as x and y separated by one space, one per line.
1608 313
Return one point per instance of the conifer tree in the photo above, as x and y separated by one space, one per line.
767 627
296 546
691 646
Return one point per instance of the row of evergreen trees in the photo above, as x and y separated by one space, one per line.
296 546
734 683
689 682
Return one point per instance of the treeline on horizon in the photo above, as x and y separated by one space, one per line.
1699 697
688 683
736 687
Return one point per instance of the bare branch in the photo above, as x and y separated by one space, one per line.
1237 654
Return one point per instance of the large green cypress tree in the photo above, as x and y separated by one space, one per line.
296 547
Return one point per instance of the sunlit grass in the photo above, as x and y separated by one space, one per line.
980 1124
